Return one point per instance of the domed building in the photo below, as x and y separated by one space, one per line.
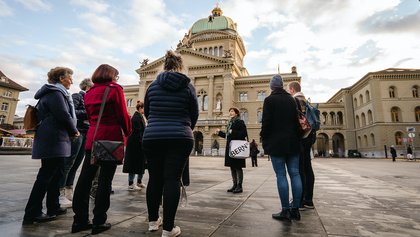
379 110
213 54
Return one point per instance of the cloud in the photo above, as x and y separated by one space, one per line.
95 6
35 5
382 23
5 9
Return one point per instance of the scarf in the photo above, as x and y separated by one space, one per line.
67 95
231 122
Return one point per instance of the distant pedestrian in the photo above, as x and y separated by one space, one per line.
236 130
171 109
52 144
393 153
134 160
409 152
280 134
253 147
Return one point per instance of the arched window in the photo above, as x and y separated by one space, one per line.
259 116
417 113
370 117
395 114
367 94
372 139
339 118
366 144
205 50
392 92
221 51
415 91
363 119
4 107
398 138
357 121
359 141
355 103
211 51
244 116
324 118
129 102
361 99
243 96
332 118
205 103
216 51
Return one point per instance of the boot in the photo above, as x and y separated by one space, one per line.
232 188
294 214
64 202
69 192
238 188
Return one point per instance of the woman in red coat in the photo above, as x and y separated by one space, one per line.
115 125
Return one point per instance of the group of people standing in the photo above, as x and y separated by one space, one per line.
159 136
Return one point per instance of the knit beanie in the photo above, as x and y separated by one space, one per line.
276 82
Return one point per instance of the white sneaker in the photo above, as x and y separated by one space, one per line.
64 202
176 231
154 225
69 192
141 185
133 187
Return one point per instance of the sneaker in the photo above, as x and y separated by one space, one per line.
64 202
154 225
133 187
176 231
141 185
69 192
308 204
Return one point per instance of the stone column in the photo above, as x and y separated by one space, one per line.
210 96
227 94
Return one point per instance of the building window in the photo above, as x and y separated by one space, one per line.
363 119
391 92
324 118
129 102
357 121
417 113
205 50
355 103
370 117
202 99
221 51
200 50
372 139
211 51
2 119
243 96
216 51
367 94
244 116
359 141
259 116
205 103
333 118
7 94
415 91
361 99
339 118
398 138
366 141
4 106
261 95
395 114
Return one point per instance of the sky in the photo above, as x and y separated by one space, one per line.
333 43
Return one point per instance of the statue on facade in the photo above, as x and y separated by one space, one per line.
219 104
144 62
228 53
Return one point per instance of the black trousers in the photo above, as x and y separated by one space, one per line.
166 160
254 161
103 193
305 168
47 182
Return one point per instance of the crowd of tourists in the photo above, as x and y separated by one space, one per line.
73 128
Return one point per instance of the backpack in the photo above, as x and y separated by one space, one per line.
30 120
312 113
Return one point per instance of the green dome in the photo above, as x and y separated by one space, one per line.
217 23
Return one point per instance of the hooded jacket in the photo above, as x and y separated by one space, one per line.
171 107
52 138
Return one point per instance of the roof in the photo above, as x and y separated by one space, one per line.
217 23
9 83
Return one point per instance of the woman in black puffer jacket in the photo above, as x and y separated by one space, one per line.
171 109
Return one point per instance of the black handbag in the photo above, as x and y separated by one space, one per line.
106 150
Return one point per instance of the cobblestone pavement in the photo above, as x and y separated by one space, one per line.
353 197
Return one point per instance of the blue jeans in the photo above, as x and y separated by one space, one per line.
75 159
279 165
132 176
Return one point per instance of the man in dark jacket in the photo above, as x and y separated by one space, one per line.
281 141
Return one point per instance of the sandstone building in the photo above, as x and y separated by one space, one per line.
9 97
364 117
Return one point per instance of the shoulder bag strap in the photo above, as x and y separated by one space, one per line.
101 110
